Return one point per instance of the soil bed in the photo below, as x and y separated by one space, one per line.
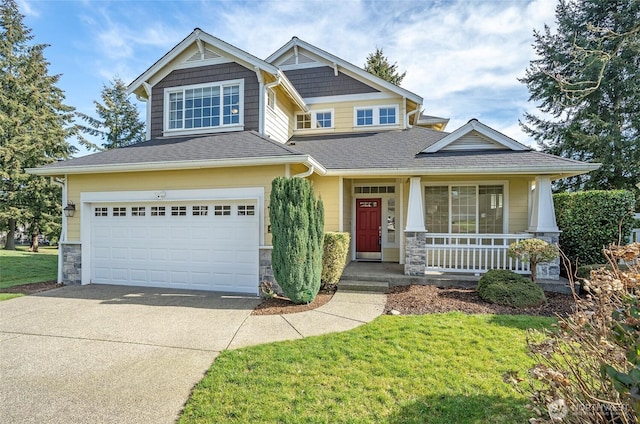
32 288
280 306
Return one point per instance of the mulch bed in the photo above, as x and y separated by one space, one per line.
32 288
418 300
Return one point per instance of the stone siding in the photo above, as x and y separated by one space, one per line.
266 271
71 264
549 270
415 253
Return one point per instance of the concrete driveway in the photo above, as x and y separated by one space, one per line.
109 353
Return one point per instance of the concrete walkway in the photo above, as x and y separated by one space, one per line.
115 354
343 312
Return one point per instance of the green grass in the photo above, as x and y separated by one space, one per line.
441 368
7 296
23 267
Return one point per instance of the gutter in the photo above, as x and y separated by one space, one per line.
264 100
413 112
178 165
62 183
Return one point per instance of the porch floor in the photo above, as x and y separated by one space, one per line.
393 273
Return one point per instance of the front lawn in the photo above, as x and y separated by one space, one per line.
439 368
23 267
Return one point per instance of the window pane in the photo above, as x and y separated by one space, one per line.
437 209
364 117
323 120
387 115
463 209
303 121
231 105
175 110
490 202
391 220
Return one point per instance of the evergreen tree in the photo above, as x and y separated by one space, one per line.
586 80
297 225
118 123
378 65
34 123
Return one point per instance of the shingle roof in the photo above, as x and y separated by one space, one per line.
397 150
232 145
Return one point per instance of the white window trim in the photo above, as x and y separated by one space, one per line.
314 123
222 127
505 199
376 116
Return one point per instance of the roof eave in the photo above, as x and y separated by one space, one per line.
178 165
554 171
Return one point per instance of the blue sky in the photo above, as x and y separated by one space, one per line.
463 57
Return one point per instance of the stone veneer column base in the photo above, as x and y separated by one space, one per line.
548 270
266 271
71 263
415 254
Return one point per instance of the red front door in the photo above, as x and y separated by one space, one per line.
368 222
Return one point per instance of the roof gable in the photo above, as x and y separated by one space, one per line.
198 48
474 135
298 54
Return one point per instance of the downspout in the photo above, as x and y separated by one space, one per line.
413 112
261 107
63 232
305 173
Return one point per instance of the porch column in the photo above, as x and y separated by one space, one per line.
415 210
543 216
543 225
415 255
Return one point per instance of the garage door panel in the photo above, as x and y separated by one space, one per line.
205 252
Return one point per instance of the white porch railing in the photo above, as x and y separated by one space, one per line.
476 253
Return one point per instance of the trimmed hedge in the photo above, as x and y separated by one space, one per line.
591 220
334 257
504 287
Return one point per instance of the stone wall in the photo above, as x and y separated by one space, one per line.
71 264
415 253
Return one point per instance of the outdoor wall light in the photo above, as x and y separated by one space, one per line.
70 209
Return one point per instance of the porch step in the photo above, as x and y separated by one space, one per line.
363 286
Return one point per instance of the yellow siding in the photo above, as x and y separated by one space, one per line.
259 176
391 254
328 188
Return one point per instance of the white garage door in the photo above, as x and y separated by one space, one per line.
191 245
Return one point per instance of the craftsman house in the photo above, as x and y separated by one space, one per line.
189 208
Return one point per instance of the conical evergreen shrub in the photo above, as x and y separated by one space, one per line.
297 225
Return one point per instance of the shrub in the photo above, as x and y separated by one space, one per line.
504 287
592 220
334 257
588 369
534 251
297 222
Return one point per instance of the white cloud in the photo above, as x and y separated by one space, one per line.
27 8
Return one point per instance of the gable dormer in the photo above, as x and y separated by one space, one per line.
339 92
205 85
473 136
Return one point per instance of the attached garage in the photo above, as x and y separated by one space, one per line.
184 244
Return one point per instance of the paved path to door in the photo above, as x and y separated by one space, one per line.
113 354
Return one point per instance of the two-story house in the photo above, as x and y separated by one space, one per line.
189 208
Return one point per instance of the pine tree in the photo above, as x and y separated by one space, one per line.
378 65
586 80
297 225
34 123
118 123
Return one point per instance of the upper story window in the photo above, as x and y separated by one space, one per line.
214 105
376 115
271 98
316 119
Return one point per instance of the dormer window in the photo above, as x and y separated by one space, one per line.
314 120
376 115
204 107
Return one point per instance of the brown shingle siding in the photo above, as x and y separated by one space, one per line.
319 82
201 75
